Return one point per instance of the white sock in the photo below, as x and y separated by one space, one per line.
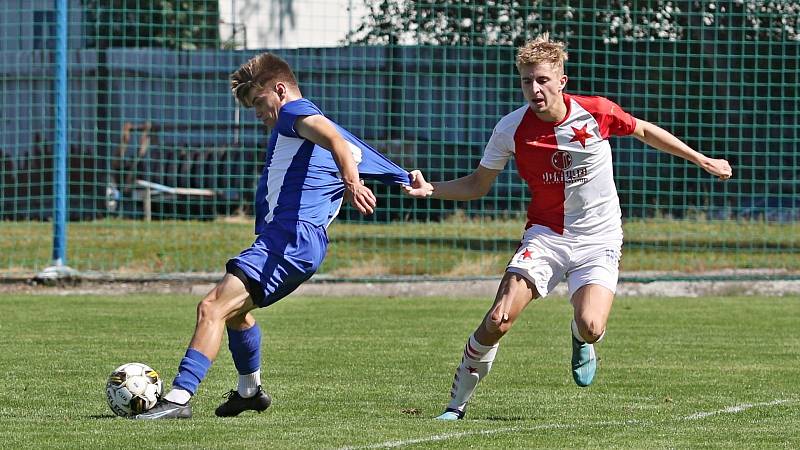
475 365
575 332
248 384
178 395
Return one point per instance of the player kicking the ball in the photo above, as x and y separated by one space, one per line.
311 165
574 229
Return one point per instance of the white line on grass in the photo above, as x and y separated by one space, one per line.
446 436
734 409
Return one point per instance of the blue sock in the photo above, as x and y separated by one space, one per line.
192 370
245 347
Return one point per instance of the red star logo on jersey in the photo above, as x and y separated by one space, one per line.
581 135
527 254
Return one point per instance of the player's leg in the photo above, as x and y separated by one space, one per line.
592 305
536 268
277 264
227 299
592 284
244 342
513 295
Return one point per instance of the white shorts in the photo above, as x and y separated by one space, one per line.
545 257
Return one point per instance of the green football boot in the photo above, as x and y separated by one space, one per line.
584 362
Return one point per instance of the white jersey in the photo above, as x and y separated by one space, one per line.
567 164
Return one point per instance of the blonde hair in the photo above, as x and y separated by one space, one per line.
542 50
258 73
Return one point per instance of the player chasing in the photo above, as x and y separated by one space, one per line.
574 228
311 165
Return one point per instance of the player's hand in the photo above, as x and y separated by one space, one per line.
361 197
720 168
419 187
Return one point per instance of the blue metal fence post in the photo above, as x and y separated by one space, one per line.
59 268
60 188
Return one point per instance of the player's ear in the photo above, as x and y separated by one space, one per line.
563 82
281 90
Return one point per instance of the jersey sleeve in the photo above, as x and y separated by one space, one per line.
498 151
614 121
373 164
290 112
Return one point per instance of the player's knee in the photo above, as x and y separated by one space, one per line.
494 329
591 331
594 337
209 310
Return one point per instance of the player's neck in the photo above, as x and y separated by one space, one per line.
556 113
291 96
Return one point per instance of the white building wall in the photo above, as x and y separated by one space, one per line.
288 23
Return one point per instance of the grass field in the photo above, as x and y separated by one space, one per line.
371 373
457 247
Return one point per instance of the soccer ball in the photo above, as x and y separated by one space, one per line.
132 389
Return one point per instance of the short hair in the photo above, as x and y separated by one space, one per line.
542 50
259 72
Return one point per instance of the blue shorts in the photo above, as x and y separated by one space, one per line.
285 255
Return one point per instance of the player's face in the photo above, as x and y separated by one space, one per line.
266 103
542 85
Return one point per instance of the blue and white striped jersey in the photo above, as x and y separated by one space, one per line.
300 180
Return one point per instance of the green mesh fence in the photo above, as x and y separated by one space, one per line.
162 164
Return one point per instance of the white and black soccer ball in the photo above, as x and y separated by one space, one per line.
132 389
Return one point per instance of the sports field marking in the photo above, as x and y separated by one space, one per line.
447 436
444 437
734 409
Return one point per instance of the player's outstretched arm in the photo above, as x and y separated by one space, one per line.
665 141
470 187
319 130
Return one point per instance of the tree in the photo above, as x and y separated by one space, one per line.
178 24
498 22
